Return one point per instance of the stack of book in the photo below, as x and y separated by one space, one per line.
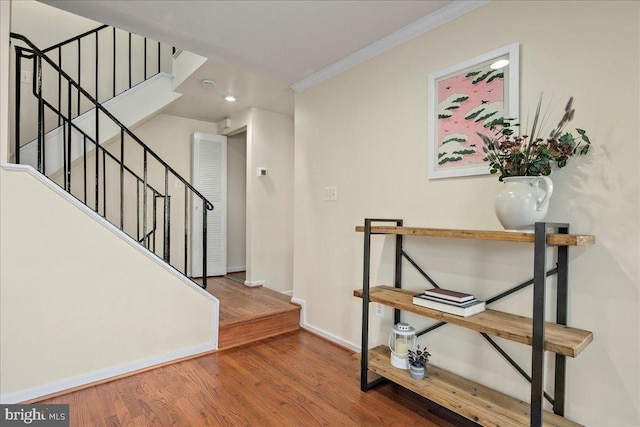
448 301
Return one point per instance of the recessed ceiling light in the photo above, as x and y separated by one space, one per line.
500 63
230 98
208 84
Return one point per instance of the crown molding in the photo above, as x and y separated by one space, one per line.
404 34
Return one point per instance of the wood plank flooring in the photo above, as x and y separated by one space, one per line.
251 314
295 379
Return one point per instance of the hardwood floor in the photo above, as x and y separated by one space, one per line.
251 314
238 276
295 379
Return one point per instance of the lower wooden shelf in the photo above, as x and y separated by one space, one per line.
479 403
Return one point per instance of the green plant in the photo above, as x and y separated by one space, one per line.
419 358
530 154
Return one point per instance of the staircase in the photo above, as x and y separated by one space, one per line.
67 128
249 314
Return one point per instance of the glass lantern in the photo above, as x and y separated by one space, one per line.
401 339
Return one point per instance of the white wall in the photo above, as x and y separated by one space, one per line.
269 198
236 202
41 23
365 132
78 303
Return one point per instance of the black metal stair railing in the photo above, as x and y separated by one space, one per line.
109 59
122 170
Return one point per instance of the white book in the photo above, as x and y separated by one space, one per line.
467 311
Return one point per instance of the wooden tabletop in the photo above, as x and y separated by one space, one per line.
554 239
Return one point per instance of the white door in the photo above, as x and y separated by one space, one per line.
209 177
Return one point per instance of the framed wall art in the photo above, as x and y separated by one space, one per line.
462 99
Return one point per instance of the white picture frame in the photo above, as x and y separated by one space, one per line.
461 99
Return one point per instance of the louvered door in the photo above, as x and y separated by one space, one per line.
209 177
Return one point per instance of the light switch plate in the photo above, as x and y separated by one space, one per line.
330 194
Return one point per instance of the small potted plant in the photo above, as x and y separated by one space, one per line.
418 360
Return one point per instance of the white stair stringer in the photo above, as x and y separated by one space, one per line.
131 108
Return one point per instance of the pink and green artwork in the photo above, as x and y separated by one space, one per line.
466 102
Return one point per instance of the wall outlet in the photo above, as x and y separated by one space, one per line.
25 76
330 194
380 310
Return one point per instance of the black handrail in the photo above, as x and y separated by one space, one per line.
75 38
38 57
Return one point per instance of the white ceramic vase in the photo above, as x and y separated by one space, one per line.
522 202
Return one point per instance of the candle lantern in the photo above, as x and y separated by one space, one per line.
401 339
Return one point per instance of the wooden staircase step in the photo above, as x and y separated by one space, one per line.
243 331
250 314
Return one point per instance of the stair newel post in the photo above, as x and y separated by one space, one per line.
145 58
204 244
167 201
97 142
186 226
114 62
144 194
104 183
67 143
138 211
17 101
167 212
155 223
121 179
59 85
130 61
37 63
96 80
84 168
79 76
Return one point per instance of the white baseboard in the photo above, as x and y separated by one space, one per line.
236 269
318 331
254 284
35 392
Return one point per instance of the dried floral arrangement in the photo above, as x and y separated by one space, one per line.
531 154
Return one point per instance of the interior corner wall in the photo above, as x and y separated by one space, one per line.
365 132
5 25
270 200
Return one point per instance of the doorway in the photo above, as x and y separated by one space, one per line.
237 205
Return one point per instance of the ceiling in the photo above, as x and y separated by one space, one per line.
257 49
